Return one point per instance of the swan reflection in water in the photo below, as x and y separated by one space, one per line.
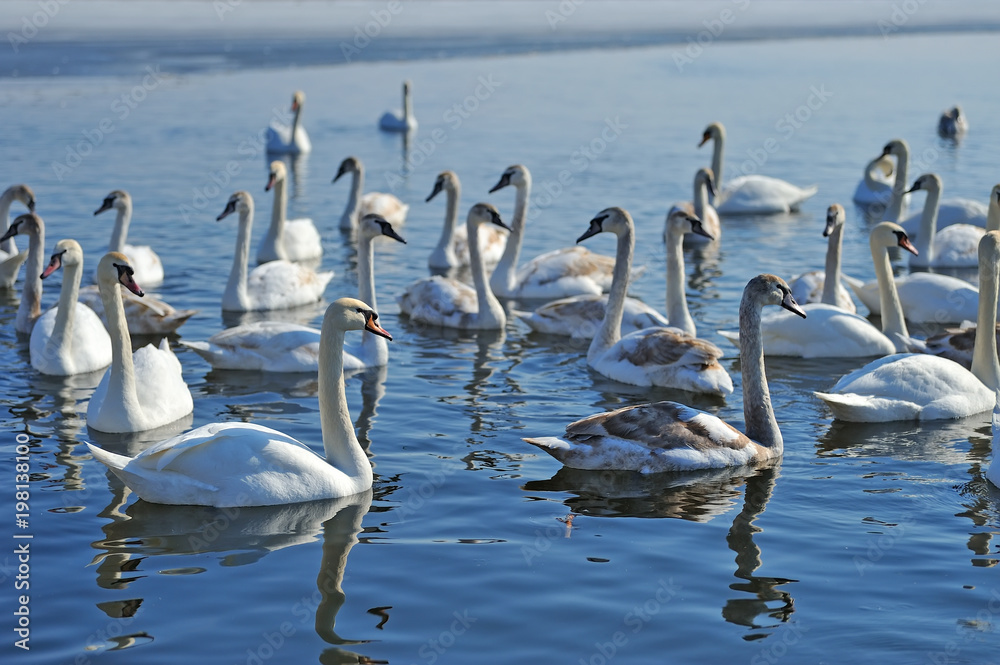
699 497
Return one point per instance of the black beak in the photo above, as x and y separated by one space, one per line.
504 181
434 192
108 204
11 231
788 302
596 226
230 209
387 230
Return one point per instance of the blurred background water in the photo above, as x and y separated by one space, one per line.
865 543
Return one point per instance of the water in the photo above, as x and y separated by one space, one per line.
865 544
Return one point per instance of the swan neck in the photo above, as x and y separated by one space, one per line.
718 150
339 441
31 297
295 124
502 280
490 309
444 244
895 210
407 107
121 380
610 331
928 226
831 278
236 288
677 308
893 322
5 201
276 231
700 200
62 329
985 364
758 413
120 232
993 214
350 217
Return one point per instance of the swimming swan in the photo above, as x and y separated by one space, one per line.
30 307
289 139
147 265
452 249
813 286
954 246
10 258
243 464
384 205
667 436
699 206
287 239
952 123
875 187
396 121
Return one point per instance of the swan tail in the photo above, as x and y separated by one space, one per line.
733 337
867 409
113 461
10 268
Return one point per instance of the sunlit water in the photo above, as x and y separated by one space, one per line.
865 544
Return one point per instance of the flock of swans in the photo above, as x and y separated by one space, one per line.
569 291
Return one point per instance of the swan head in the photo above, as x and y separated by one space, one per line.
117 199
23 194
706 176
929 182
995 195
680 220
353 314
373 226
278 173
768 289
23 225
890 234
115 268
240 201
298 99
68 253
610 220
835 216
486 213
897 147
516 175
446 181
715 131
349 165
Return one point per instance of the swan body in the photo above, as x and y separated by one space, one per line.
386 206
924 296
443 301
750 194
69 338
269 286
243 464
145 316
265 346
287 239
10 258
952 123
559 273
147 265
699 206
400 121
142 390
956 344
954 246
875 187
289 139
926 387
812 286
667 357
30 307
667 436
452 249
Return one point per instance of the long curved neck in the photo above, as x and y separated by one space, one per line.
611 327
295 122
121 380
5 200
993 217
677 308
444 245
490 309
893 323
276 231
985 364
407 107
700 200
831 279
236 287
376 348
757 410
895 210
718 150
62 329
339 441
31 297
120 233
350 217
502 279
928 226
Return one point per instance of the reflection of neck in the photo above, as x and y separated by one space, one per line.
502 279
31 297
340 533
610 331
123 208
831 278
62 328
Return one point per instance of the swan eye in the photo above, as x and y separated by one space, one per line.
124 269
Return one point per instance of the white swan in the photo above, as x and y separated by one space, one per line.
924 387
142 390
272 285
384 205
30 307
396 121
10 258
145 316
667 357
443 301
243 464
69 338
831 332
952 123
954 246
875 187
750 194
452 249
287 239
568 271
289 139
951 211
667 436
277 346
812 286
147 265
699 206
925 297
581 316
